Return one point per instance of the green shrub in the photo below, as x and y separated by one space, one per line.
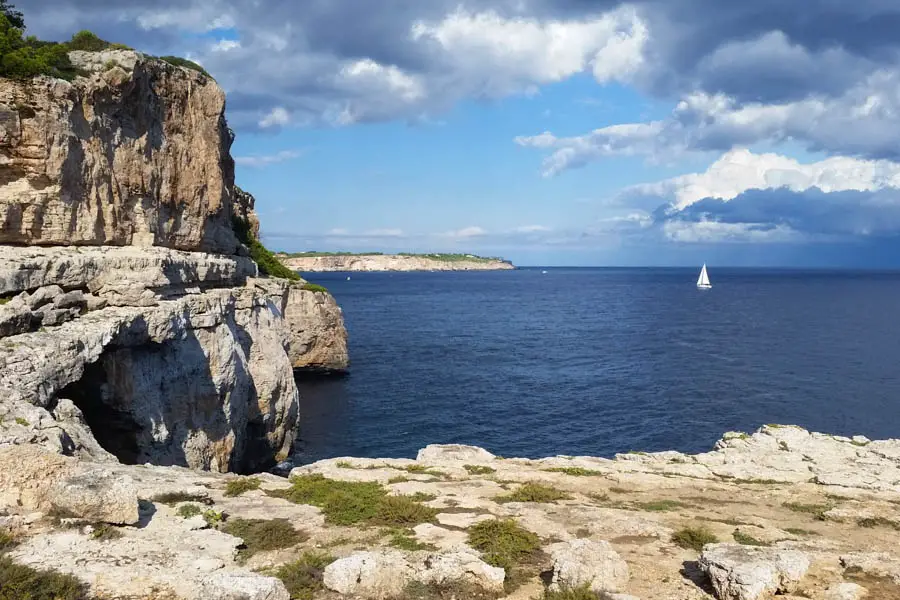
186 511
405 539
213 517
450 590
575 471
7 541
15 17
878 522
583 592
22 422
660 505
352 502
87 41
18 582
693 538
533 492
183 62
748 540
479 469
171 498
262 256
503 543
816 510
303 578
104 531
236 487
263 536
312 287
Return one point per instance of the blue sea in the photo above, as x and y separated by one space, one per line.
599 361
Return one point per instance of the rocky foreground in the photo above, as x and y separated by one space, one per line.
390 262
781 512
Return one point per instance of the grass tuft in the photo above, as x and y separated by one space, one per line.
583 592
352 502
693 538
878 522
186 511
236 487
19 582
455 590
303 577
103 531
262 536
748 540
660 505
533 492
816 510
479 469
7 541
798 531
314 287
503 543
405 539
171 498
575 471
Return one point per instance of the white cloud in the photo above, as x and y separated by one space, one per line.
498 55
338 232
277 117
532 229
226 45
384 233
466 232
261 161
740 170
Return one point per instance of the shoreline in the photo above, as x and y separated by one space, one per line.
390 263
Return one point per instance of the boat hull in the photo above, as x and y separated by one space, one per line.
701 286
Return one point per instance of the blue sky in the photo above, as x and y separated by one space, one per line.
550 132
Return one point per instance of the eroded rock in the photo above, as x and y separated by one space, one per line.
378 575
749 572
588 563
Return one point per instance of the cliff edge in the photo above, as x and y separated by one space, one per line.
134 327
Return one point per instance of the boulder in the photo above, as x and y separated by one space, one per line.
241 585
52 317
378 575
442 569
318 339
740 572
73 299
457 453
36 479
15 318
41 296
586 562
845 591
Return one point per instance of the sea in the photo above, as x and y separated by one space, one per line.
581 361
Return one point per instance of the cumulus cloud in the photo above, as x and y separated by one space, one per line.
265 160
466 232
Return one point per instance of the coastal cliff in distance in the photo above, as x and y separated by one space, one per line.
316 262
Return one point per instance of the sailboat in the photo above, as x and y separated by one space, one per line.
703 281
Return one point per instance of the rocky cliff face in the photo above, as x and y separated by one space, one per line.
116 343
390 262
136 153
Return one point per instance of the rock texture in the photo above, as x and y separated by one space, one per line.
588 563
318 337
608 531
750 573
135 154
389 262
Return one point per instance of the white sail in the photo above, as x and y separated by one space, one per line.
703 280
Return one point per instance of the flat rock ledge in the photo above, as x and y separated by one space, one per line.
663 526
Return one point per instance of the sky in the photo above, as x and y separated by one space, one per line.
550 132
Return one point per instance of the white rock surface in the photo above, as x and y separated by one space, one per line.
241 585
750 572
378 575
586 562
454 453
464 567
846 591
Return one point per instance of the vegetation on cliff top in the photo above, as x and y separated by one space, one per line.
262 256
24 57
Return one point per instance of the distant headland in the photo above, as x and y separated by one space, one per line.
376 261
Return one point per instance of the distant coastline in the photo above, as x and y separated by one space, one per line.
327 261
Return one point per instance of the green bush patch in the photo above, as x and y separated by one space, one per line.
405 539
104 531
816 510
177 61
479 469
24 583
583 592
533 492
186 511
236 487
503 543
352 502
878 522
575 471
171 498
748 540
660 505
693 538
303 578
262 256
7 541
263 536
312 287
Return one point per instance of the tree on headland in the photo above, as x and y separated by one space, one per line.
15 17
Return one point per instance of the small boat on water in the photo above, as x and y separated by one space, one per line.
703 281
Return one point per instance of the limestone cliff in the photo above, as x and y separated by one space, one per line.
122 338
135 153
390 262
